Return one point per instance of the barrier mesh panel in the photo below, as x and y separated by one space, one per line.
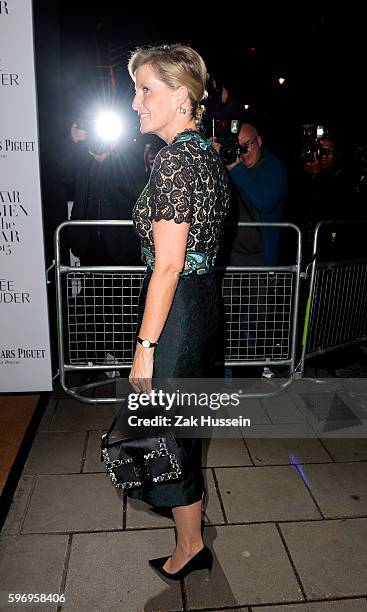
258 315
339 307
102 314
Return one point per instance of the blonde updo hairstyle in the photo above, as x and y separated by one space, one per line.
176 65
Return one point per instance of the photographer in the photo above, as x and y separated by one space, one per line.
262 181
102 177
321 191
260 187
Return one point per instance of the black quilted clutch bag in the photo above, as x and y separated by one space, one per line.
135 462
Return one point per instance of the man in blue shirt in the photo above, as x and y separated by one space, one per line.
262 179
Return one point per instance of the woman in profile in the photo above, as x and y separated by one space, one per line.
179 218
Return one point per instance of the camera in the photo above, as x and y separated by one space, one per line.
87 123
102 130
226 133
310 135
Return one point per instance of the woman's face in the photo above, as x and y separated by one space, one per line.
155 102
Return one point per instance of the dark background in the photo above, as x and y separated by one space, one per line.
319 51
81 44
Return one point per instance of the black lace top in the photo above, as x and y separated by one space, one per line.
188 184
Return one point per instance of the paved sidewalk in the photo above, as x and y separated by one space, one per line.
286 520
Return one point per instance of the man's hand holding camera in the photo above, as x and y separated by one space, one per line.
312 167
217 146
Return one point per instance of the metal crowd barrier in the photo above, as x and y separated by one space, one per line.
336 309
97 313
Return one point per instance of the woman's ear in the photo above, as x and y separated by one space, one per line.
182 95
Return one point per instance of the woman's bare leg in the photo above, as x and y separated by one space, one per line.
189 538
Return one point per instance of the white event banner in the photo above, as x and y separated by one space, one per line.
25 361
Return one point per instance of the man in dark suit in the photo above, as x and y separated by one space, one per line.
103 180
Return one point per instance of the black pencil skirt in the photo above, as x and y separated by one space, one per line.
186 349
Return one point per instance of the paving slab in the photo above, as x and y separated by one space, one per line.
346 605
92 461
283 409
265 494
31 564
213 512
76 502
355 385
355 393
347 449
19 505
230 610
107 388
330 556
58 392
225 452
330 414
55 453
355 399
111 572
307 394
250 566
71 415
341 429
280 430
48 415
340 489
138 516
277 451
254 410
331 406
325 382
72 380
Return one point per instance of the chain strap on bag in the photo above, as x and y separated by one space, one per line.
136 462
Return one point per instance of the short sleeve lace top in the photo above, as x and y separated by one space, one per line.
188 184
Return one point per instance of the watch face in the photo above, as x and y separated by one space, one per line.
146 343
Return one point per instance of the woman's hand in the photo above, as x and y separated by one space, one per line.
141 372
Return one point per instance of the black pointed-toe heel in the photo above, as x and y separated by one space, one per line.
202 560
